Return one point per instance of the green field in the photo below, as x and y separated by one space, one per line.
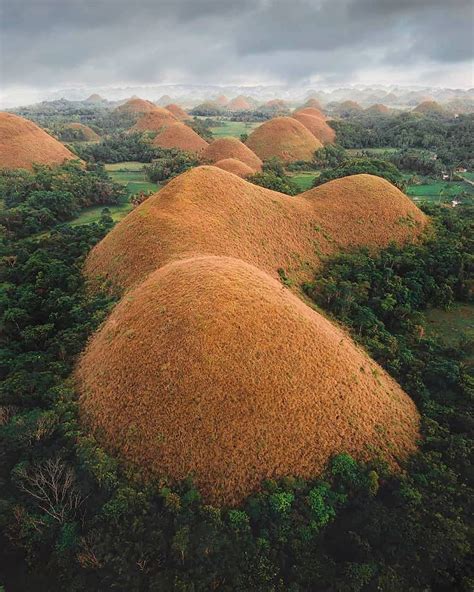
439 191
370 151
304 179
92 214
129 174
233 128
469 176
453 326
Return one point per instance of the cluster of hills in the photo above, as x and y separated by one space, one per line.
393 96
211 366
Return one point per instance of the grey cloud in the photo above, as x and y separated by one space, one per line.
48 43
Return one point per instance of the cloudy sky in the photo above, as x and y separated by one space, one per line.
52 44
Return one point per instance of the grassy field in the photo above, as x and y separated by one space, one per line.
370 151
469 176
438 191
129 174
304 179
233 128
92 214
453 326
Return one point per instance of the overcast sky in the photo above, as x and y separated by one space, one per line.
51 44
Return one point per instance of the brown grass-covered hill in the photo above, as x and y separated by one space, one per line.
313 104
284 138
379 109
430 107
178 112
317 126
348 107
210 211
136 106
84 131
222 100
231 148
153 121
237 167
212 368
239 103
311 111
23 143
179 135
94 98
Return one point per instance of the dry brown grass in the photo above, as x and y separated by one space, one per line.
222 100
313 104
350 106
153 121
178 112
378 108
224 148
311 111
239 103
284 138
429 107
179 135
212 368
237 167
208 211
23 143
277 103
136 106
88 134
318 127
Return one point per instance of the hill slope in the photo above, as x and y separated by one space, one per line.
23 143
231 148
284 138
212 368
209 211
318 127
178 135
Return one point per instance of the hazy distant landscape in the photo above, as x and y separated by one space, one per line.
236 296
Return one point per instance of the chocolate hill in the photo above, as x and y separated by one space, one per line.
86 133
178 135
317 126
314 104
239 103
284 138
212 368
23 143
153 121
378 108
94 98
136 106
178 112
224 148
311 111
429 108
222 100
209 211
237 167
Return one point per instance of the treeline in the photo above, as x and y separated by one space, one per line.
451 138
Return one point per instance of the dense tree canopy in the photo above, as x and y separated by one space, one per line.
40 199
451 138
